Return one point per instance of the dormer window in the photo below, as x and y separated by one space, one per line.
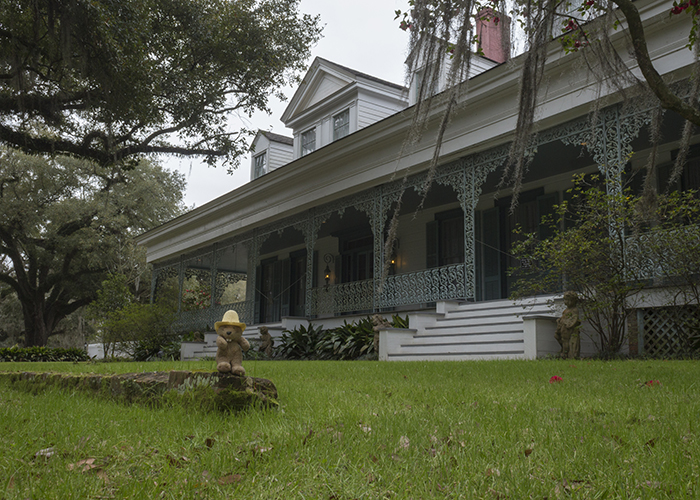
260 164
308 142
341 124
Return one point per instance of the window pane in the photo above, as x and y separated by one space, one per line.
308 141
260 162
341 124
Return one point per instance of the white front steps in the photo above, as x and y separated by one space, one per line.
468 330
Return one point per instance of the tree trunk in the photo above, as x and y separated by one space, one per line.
36 329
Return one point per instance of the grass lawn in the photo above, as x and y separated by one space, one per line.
349 430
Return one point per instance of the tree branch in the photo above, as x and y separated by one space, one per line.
669 100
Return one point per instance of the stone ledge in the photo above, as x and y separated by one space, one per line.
205 390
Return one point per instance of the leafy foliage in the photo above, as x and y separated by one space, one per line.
349 341
615 248
140 330
111 81
42 354
66 223
300 342
399 322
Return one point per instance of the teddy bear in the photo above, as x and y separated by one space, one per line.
230 344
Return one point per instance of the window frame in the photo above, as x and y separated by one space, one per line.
260 170
304 149
345 126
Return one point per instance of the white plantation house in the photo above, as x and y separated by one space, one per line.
304 240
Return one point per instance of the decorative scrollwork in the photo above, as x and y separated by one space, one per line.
431 285
344 297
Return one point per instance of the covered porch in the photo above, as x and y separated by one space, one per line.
331 260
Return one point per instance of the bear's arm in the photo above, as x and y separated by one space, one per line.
220 342
245 345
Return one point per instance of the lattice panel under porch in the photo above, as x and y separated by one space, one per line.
666 330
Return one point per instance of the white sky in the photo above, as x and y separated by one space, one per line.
359 34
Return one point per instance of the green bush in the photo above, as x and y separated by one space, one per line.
300 342
349 341
142 331
399 322
42 354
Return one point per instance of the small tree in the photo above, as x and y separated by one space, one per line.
590 258
142 330
139 330
111 298
613 250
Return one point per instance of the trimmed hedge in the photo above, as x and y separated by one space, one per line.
42 354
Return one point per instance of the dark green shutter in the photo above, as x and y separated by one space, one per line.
276 290
432 247
286 267
478 258
256 293
491 255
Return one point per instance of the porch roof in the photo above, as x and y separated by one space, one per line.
373 155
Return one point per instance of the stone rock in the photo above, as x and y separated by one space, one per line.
214 390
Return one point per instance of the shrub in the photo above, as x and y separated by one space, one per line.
142 330
348 341
399 322
300 342
42 354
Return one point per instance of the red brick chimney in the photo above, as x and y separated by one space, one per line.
493 30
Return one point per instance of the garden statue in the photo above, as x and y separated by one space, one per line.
568 326
379 324
230 344
266 343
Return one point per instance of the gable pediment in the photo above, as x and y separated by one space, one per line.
324 85
321 81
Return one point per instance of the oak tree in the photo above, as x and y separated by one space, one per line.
64 224
110 81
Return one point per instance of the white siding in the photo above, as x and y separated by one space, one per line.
279 154
370 111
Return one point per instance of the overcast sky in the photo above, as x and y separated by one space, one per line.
359 34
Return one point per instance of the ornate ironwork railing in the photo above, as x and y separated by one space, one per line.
421 287
345 297
201 319
430 285
661 253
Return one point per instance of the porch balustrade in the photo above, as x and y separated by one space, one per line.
342 298
430 285
200 319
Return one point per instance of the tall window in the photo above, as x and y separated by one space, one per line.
260 163
445 239
308 142
341 125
